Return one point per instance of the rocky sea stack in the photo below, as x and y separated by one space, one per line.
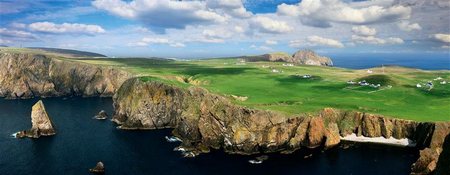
102 115
41 123
305 57
98 169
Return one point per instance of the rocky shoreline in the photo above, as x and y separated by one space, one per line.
207 121
24 75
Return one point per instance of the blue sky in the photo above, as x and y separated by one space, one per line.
216 28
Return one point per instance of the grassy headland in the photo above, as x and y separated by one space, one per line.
254 84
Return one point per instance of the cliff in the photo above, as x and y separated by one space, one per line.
204 121
41 123
25 75
309 57
306 57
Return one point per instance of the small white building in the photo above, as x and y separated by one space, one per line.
443 82
306 76
369 71
438 78
418 85
276 71
288 64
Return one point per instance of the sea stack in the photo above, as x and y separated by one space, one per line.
102 115
41 123
98 169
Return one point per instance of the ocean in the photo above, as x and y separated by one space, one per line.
81 142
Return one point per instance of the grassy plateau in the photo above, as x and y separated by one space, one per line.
255 85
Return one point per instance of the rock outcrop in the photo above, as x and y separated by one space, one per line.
41 123
306 57
25 75
443 164
309 57
207 121
98 169
102 115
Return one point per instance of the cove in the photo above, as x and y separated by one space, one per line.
82 141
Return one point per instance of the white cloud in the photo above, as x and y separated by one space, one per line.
263 48
271 42
445 38
11 33
231 7
268 25
364 31
162 14
296 43
321 12
375 40
317 40
149 40
66 28
406 26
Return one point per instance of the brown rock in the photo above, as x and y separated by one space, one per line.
98 169
332 135
316 132
41 123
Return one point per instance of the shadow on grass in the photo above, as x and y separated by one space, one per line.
177 66
440 92
296 79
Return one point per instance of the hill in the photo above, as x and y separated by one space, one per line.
69 52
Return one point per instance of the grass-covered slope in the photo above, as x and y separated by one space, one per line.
272 86
256 85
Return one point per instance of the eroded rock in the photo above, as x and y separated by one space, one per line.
41 123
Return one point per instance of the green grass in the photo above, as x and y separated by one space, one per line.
290 94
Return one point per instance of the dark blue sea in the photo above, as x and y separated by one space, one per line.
421 61
82 141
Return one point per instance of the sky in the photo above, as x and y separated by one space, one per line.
219 28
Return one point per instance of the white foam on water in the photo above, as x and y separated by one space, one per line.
382 140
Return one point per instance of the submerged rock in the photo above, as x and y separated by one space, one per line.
41 123
102 115
98 169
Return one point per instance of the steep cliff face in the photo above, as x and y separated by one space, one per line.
307 57
41 123
204 120
28 75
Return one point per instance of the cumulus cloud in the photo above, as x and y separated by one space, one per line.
271 42
364 31
268 25
10 35
66 28
162 14
231 7
375 40
263 48
445 38
317 40
149 40
407 26
322 12
295 43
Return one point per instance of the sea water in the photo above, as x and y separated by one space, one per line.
81 142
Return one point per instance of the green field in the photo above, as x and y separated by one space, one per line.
258 87
397 97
